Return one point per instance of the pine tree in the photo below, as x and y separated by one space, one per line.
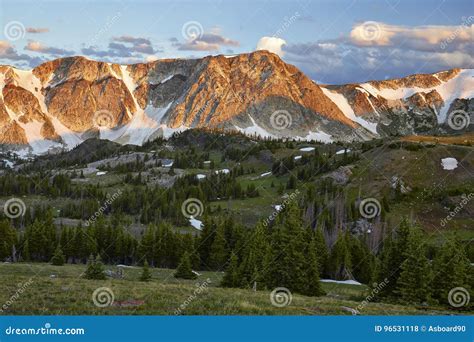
90 271
321 250
7 239
388 268
58 257
413 286
25 253
184 270
252 266
146 275
231 276
451 269
340 265
313 285
206 239
362 261
218 252
285 264
99 267
146 248
95 268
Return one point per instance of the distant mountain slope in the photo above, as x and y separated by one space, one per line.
61 103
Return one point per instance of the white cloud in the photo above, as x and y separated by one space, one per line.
37 29
41 48
151 58
206 42
426 38
272 44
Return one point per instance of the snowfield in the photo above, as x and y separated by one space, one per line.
307 149
342 151
346 109
347 282
195 223
449 163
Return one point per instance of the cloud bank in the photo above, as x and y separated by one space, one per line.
376 50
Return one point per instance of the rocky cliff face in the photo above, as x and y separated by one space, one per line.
63 102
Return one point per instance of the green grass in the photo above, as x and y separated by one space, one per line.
252 210
69 294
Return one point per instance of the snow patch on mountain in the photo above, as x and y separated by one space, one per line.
28 81
346 109
255 129
37 142
318 136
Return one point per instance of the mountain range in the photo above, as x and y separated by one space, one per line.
60 103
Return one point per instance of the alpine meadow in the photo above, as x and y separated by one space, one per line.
236 158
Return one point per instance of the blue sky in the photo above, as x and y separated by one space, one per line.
336 41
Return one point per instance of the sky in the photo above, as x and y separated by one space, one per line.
333 42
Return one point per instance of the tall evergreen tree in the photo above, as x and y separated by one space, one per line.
413 285
451 268
321 250
218 252
7 239
340 266
252 267
184 270
231 276
313 285
388 269
362 261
